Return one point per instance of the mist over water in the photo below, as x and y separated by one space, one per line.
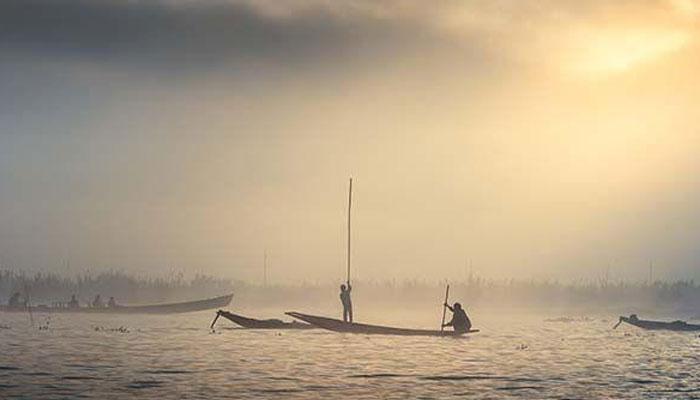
679 299
540 156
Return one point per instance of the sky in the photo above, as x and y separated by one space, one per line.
509 138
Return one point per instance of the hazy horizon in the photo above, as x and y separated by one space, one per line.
551 139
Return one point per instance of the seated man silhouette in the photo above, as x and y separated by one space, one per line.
460 321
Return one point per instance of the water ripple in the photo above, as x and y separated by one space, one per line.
176 357
166 371
378 375
145 384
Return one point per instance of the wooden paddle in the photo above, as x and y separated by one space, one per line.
444 308
618 323
218 313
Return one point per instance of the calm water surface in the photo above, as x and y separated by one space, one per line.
86 356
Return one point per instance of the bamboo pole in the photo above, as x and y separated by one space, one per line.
349 220
444 308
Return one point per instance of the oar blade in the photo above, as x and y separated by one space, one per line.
218 314
618 323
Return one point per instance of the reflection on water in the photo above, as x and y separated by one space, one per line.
93 356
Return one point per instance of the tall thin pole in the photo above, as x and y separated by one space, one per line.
349 213
28 303
265 268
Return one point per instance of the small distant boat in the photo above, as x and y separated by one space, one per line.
337 325
658 325
168 308
252 323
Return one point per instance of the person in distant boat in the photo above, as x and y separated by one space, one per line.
73 303
111 303
347 302
97 303
14 300
460 322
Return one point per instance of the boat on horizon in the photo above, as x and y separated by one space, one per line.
679 325
252 323
340 326
166 308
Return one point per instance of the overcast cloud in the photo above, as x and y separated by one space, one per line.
535 138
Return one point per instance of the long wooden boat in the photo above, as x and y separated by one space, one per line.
252 323
168 308
659 325
337 325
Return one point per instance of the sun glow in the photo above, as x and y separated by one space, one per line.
619 52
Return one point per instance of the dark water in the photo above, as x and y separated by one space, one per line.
81 356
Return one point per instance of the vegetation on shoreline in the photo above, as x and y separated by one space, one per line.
678 297
47 288
681 297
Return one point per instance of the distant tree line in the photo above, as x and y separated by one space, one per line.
680 297
46 288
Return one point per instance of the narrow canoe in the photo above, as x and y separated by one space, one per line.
337 325
252 323
660 325
169 308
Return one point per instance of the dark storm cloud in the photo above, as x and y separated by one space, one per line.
177 34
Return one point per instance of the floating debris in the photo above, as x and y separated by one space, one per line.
45 325
121 329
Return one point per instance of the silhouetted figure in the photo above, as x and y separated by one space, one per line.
347 302
73 303
14 300
111 303
460 322
97 303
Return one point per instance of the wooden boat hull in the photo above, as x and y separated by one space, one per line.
251 323
337 325
169 308
659 325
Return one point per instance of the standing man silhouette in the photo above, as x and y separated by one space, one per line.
347 302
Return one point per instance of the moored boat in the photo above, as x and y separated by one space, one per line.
252 323
658 325
167 308
337 325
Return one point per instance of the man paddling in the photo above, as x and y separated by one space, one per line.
347 302
460 322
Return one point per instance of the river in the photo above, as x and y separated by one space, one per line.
174 357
